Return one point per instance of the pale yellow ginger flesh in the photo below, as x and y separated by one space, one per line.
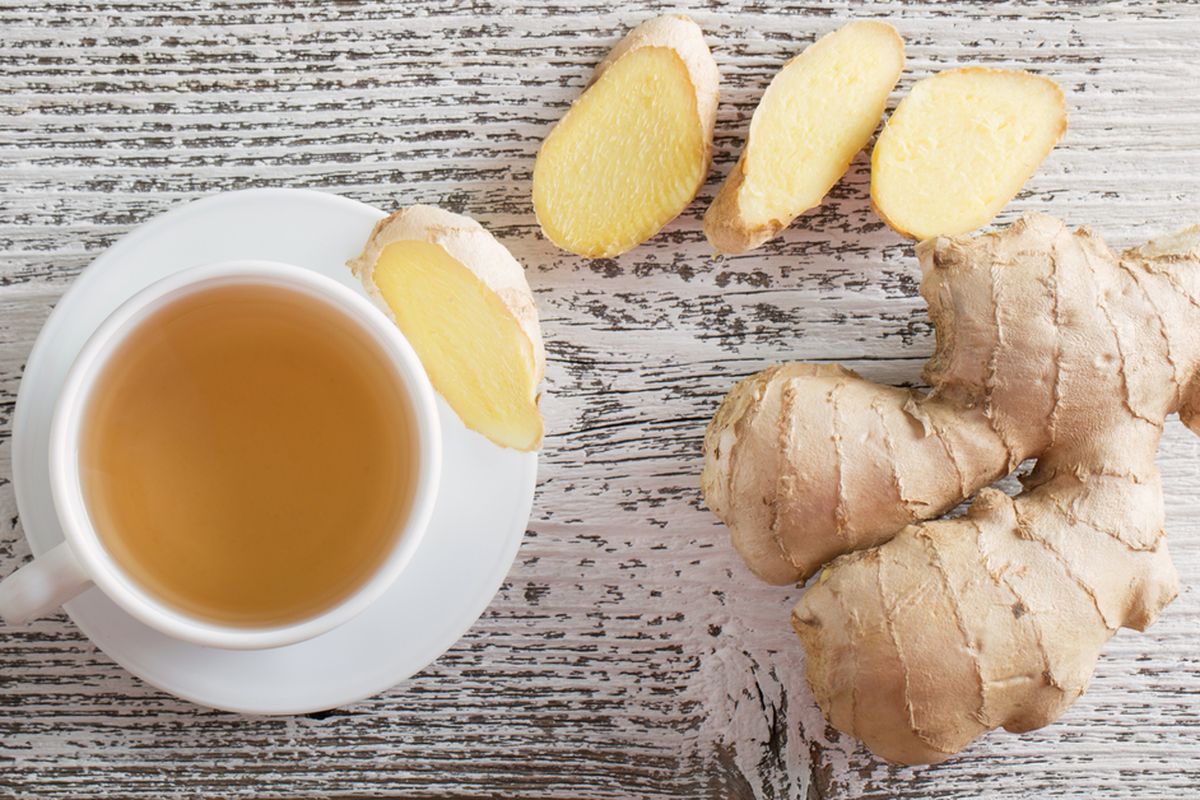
462 302
634 149
627 158
815 116
472 347
960 146
1049 346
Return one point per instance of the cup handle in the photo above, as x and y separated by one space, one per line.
41 586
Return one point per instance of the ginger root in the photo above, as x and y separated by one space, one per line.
635 148
960 146
814 117
1049 346
800 448
462 301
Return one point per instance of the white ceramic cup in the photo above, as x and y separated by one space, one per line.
81 561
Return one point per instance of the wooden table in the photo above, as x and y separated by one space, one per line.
629 654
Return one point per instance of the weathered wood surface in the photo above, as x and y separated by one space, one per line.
629 654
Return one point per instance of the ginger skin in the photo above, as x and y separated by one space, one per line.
1048 346
462 301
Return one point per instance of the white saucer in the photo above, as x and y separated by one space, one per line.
478 521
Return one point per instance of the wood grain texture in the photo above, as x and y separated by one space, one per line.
629 653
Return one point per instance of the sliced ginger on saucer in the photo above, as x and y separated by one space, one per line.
462 302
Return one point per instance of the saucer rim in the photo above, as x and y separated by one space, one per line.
23 492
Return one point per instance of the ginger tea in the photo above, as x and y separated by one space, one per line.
248 455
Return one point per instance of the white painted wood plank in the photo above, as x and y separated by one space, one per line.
629 653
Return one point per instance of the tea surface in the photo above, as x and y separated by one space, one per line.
247 455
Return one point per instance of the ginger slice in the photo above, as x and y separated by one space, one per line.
815 115
960 146
462 301
634 149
